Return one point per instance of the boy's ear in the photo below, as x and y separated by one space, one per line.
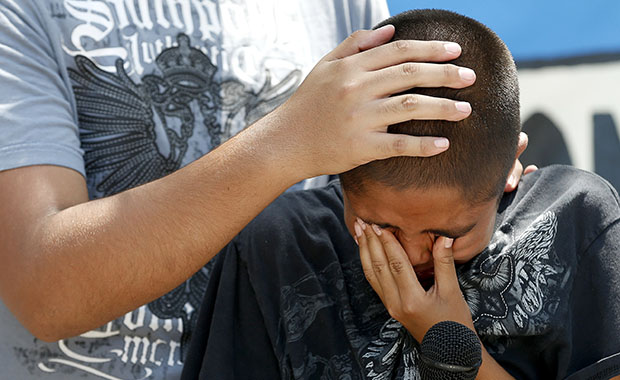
522 144
517 168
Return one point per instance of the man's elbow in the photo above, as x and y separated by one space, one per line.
40 312
46 325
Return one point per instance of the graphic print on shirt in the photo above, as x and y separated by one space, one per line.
393 354
118 118
513 288
157 85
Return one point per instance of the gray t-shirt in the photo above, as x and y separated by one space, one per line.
288 297
127 91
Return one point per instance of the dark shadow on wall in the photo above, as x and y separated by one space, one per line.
607 149
547 145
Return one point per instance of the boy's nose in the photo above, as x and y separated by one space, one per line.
419 254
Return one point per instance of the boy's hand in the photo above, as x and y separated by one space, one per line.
391 275
338 117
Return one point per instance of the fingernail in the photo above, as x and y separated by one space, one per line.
452 48
385 27
464 107
467 74
449 242
358 230
361 223
376 229
441 143
356 241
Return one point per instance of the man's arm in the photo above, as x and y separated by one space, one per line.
69 265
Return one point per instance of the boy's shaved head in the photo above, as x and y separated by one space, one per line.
483 146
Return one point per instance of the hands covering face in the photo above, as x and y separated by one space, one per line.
389 272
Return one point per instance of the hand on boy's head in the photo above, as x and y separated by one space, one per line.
388 270
345 103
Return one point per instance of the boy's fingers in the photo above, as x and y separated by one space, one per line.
401 268
397 52
380 266
361 40
366 260
443 261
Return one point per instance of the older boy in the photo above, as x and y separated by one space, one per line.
538 269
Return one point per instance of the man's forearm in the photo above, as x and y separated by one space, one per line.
94 261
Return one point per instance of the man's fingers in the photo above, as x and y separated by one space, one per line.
386 145
397 109
396 79
359 41
397 52
443 261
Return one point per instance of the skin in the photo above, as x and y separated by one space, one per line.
69 264
410 241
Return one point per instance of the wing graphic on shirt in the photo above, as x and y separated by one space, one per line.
511 287
240 102
117 129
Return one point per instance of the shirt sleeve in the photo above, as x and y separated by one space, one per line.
37 120
230 340
595 309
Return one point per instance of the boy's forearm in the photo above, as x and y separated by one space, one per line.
490 369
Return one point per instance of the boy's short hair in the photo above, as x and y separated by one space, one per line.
482 146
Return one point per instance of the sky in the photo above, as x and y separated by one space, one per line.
539 29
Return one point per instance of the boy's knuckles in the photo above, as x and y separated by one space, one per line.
396 266
378 267
445 260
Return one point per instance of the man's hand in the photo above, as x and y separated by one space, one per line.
389 272
338 117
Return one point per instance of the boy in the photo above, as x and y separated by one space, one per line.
537 269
